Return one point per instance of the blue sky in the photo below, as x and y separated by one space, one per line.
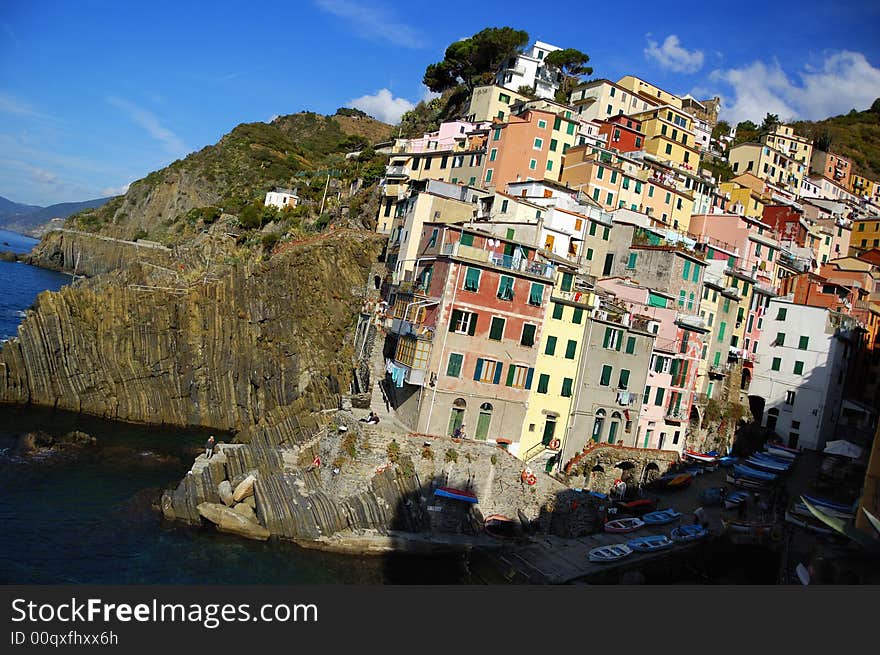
95 94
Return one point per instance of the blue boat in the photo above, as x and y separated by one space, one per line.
688 532
735 498
661 517
764 465
773 458
727 460
650 543
771 461
455 494
741 470
711 496
829 504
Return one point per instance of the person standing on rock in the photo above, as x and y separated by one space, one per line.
209 447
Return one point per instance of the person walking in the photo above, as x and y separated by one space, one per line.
209 447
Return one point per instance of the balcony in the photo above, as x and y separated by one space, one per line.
690 322
396 171
718 371
509 262
676 414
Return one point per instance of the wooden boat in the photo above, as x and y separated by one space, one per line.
637 507
650 543
674 480
743 470
455 494
661 517
610 553
754 529
688 532
873 520
500 526
812 526
624 525
735 499
700 457
747 483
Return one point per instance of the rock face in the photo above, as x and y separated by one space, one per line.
218 344
244 489
228 520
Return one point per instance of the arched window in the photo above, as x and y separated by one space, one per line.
597 425
483 422
456 416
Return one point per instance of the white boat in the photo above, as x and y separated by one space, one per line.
807 525
624 525
782 451
650 543
610 553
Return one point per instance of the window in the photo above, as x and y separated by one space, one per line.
443 161
543 383
453 368
798 368
550 348
623 380
570 348
497 135
539 143
558 310
567 279
493 154
433 240
496 328
600 172
682 294
489 175
696 276
789 397
630 345
557 123
566 387
605 232
613 177
589 254
487 370
519 377
647 396
472 279
467 239
577 315
668 148
505 288
536 295
464 322
803 343
612 338
658 399
610 199
631 262
721 329
528 335
503 97
777 363
605 380
542 124
504 211
533 164
780 339
549 165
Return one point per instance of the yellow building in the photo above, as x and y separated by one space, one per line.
862 186
751 201
669 135
767 163
865 235
649 92
601 99
491 102
792 145
556 368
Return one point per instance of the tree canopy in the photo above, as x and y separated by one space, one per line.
572 64
476 59
770 122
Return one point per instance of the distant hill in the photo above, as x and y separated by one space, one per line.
855 135
30 219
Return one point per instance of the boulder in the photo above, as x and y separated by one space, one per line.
246 511
225 491
228 520
244 489
251 501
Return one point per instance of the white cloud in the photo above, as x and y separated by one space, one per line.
10 105
147 120
672 56
428 95
383 105
115 190
375 23
843 81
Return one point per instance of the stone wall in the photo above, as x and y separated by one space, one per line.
647 463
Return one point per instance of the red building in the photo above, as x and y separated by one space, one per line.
623 133
786 223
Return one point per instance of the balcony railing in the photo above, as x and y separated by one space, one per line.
509 262
719 370
676 414
396 171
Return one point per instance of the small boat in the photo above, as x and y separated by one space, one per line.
650 543
624 525
727 460
661 517
701 457
746 483
764 465
694 470
712 496
782 451
500 526
827 504
598 494
743 470
455 494
812 526
801 509
873 520
772 458
755 529
610 553
845 528
735 499
676 480
637 507
688 532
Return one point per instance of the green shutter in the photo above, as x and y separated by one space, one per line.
803 343
467 239
570 349
630 345
528 335
777 364
631 262
607 338
658 399
566 387
624 379
687 269
577 316
606 376
696 276
472 328
721 331
567 279
589 254
536 296
496 329
798 368
550 348
472 279
511 371
543 382
453 369
456 318
557 310
529 375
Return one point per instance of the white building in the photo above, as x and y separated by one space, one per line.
529 69
800 371
281 198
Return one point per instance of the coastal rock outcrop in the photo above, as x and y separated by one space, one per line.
219 344
228 520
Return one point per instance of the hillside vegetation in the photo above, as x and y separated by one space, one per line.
855 135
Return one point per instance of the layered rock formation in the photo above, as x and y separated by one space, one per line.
209 335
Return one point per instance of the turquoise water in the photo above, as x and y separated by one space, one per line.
90 519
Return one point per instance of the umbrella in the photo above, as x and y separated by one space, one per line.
843 447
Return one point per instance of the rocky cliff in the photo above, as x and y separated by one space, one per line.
208 334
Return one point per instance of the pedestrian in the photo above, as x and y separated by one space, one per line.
700 517
209 447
